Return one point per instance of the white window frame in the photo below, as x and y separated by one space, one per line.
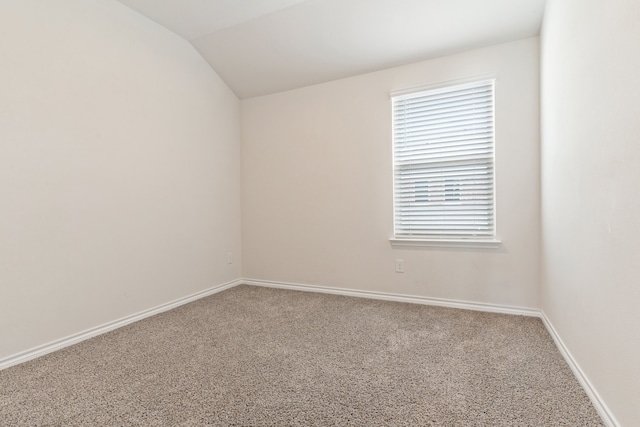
430 239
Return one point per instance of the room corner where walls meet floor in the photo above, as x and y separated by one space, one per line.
593 395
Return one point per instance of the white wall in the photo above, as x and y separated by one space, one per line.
119 169
317 185
590 188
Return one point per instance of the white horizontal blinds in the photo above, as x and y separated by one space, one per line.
443 162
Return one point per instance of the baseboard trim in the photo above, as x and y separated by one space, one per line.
440 302
602 409
596 400
107 327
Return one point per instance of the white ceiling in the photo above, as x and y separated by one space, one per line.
265 46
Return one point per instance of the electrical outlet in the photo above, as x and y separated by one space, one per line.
229 257
399 266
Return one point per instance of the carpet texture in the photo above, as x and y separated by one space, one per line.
253 356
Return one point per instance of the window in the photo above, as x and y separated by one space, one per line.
443 145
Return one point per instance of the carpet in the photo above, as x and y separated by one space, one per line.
253 356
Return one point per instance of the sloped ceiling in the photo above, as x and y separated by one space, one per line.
264 46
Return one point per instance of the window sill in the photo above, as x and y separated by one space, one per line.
400 242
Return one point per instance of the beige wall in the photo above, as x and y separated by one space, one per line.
119 169
120 179
590 188
317 185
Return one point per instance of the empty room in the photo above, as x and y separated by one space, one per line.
320 212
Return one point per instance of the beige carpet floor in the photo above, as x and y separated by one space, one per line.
264 357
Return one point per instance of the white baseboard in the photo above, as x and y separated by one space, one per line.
596 400
441 302
591 392
107 327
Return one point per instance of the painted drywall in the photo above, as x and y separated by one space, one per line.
590 197
119 169
317 185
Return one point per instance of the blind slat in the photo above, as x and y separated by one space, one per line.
452 109
433 96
